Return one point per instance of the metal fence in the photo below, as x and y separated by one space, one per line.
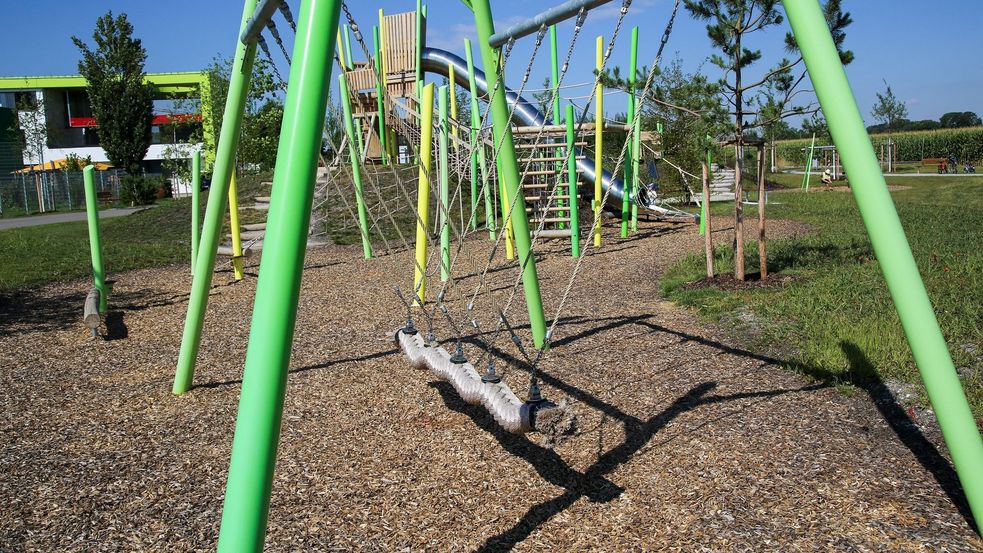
31 193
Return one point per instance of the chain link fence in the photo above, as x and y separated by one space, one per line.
33 193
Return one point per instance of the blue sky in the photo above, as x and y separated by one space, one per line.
931 61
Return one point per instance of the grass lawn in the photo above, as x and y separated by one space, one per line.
835 320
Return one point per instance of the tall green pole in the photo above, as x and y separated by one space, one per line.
445 186
348 47
630 166
572 185
846 126
478 150
636 142
346 108
264 379
505 147
807 175
95 244
195 206
379 90
235 104
557 115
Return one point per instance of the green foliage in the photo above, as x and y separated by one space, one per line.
140 190
966 144
955 120
889 110
121 101
263 104
75 164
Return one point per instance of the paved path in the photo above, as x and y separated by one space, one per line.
35 220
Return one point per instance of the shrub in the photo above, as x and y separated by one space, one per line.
139 190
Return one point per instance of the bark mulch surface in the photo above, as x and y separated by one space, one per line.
686 441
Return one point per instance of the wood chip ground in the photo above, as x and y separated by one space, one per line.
687 441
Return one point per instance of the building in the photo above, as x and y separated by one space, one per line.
58 108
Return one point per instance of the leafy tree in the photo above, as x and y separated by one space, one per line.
889 110
544 96
121 100
729 24
955 120
33 130
815 125
687 105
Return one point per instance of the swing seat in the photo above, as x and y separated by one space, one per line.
506 408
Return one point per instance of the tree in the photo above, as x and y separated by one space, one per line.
544 97
890 111
955 120
815 125
729 24
121 100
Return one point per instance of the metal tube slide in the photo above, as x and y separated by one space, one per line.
436 61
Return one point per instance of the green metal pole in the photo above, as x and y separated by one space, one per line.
346 107
629 167
479 150
928 346
510 170
445 186
242 68
557 115
95 244
636 142
195 207
572 182
379 93
807 175
423 195
348 46
419 51
264 379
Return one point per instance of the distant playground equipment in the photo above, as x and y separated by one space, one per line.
394 107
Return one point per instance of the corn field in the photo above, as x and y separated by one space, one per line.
966 144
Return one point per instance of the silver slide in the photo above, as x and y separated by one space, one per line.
438 61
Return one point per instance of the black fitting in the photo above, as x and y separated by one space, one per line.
491 377
458 358
532 406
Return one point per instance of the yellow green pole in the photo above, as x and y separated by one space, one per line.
95 243
636 146
453 100
423 194
598 142
629 190
348 47
506 218
572 185
237 264
382 47
341 51
380 87
346 107
195 207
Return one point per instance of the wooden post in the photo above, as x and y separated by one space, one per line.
738 213
762 256
708 239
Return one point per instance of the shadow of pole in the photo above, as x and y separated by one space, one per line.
864 375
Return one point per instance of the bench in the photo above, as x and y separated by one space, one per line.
933 161
105 197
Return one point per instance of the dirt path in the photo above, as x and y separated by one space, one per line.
687 441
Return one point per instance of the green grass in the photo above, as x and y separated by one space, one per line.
157 236
835 320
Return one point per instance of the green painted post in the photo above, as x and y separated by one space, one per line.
630 167
95 244
478 150
928 346
346 107
557 115
264 379
572 188
215 210
348 46
807 175
636 142
510 170
195 207
379 93
419 51
445 185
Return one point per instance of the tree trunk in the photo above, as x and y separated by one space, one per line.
739 212
708 239
762 256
